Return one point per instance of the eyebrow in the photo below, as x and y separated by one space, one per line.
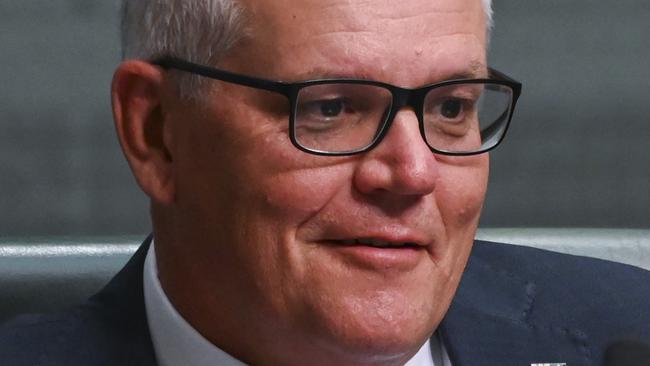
319 72
476 70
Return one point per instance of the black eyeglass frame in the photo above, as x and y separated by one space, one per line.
401 97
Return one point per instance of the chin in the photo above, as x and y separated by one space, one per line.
382 329
376 347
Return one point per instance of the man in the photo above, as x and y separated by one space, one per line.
327 221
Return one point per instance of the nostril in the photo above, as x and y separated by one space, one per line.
397 174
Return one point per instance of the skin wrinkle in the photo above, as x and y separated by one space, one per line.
374 8
475 69
330 59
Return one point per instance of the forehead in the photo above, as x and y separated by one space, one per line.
425 39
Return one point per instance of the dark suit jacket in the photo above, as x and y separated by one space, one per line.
515 306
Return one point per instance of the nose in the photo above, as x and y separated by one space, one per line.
401 164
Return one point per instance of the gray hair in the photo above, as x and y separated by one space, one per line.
201 31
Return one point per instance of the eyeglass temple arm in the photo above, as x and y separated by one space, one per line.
516 86
222 75
499 75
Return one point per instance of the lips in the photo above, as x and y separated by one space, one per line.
378 255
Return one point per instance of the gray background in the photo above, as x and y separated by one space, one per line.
576 155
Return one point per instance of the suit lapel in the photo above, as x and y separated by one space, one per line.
488 323
120 305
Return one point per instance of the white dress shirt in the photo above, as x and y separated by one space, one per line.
176 342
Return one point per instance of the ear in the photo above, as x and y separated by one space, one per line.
142 127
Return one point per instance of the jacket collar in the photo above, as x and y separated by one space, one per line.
489 322
121 303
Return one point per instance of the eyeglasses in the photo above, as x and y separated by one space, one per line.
351 116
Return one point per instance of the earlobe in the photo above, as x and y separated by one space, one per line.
142 127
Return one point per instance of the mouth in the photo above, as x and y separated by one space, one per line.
379 255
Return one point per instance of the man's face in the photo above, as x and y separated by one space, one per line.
277 244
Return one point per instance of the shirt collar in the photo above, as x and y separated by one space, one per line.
176 342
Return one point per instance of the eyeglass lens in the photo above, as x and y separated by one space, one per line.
347 117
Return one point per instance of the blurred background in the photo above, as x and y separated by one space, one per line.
577 154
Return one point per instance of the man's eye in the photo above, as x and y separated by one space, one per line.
451 108
330 108
324 114
325 109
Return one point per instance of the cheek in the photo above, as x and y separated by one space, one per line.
298 194
461 190
460 197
